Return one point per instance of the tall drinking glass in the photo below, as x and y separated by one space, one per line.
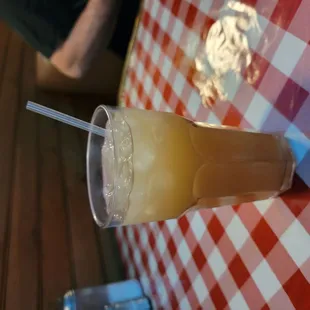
155 166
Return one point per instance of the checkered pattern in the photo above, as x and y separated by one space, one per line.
251 256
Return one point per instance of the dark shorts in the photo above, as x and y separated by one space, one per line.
124 27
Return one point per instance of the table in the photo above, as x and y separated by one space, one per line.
254 255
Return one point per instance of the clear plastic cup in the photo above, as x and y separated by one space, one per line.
155 166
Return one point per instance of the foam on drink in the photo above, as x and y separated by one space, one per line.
117 167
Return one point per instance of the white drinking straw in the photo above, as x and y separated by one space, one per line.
64 118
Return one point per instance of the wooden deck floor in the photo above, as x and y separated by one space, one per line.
48 240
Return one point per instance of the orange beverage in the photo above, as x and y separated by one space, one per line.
158 165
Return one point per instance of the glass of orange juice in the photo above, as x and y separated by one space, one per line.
155 166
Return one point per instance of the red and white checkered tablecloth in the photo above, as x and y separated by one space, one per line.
250 256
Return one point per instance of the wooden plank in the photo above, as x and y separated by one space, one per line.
5 34
9 96
86 255
58 275
23 277
111 257
109 252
